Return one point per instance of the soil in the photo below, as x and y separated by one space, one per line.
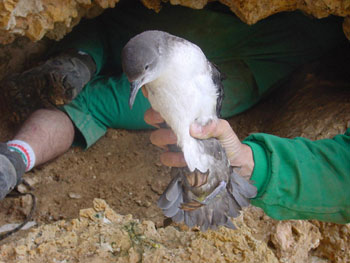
123 168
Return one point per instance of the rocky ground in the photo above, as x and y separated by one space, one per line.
55 18
124 173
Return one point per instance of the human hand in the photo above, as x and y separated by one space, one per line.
238 154
163 137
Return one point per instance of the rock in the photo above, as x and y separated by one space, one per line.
92 238
37 18
74 195
346 27
138 202
54 19
158 187
147 203
22 188
294 240
31 181
335 243
252 11
102 234
21 251
134 257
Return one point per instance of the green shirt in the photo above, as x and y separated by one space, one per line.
302 179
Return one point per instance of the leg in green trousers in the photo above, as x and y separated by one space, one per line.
254 58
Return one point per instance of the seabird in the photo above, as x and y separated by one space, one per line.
184 87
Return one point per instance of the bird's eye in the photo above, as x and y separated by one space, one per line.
147 66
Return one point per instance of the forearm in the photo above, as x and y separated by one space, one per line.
302 179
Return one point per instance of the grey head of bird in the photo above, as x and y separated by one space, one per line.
143 58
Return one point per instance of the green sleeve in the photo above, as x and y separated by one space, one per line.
302 179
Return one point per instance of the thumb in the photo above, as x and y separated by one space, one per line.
221 130
204 132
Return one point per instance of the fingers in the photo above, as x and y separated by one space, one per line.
163 137
173 159
153 118
144 92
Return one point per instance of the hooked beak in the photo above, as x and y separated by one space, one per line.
134 88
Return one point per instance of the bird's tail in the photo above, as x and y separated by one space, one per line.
225 201
240 189
173 196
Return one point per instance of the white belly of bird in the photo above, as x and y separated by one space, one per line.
182 102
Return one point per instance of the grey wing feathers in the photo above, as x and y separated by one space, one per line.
212 215
241 191
217 78
171 194
174 208
245 188
217 211
179 217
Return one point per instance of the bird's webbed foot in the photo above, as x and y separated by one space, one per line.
195 203
191 206
196 178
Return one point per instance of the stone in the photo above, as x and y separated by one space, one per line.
335 243
346 27
252 11
129 240
54 19
293 240
36 18
74 195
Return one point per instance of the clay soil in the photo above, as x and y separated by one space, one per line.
123 168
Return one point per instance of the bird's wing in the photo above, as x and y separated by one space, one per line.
218 77
207 200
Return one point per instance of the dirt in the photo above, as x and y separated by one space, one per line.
123 168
